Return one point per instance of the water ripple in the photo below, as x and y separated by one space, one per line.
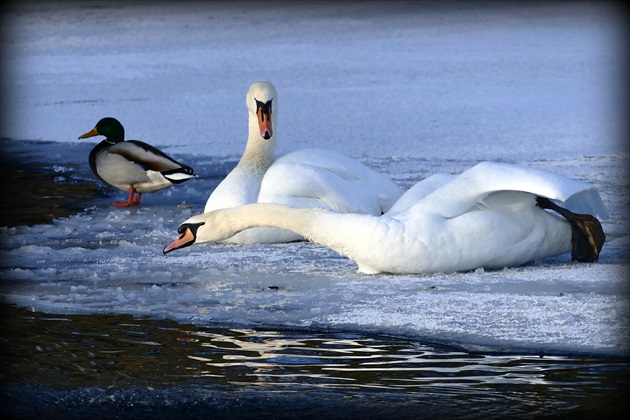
119 353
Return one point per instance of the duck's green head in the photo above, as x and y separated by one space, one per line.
108 127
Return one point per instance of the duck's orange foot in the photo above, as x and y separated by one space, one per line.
131 201
123 204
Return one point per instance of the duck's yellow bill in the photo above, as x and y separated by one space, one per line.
91 133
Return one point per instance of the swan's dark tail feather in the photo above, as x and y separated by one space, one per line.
587 235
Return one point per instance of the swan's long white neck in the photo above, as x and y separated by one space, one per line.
331 229
242 184
298 220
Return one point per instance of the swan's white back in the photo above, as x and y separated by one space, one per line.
485 217
451 196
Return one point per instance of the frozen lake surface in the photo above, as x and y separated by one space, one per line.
109 260
407 88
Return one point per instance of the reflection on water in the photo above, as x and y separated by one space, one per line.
86 364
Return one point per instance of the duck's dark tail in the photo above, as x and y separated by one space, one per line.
587 235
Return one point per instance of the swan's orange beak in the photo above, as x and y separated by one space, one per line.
91 133
186 238
264 123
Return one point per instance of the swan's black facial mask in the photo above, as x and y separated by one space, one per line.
264 108
192 226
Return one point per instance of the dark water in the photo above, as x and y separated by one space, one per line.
35 193
117 366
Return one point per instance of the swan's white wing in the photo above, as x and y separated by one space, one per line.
474 186
302 185
324 178
416 193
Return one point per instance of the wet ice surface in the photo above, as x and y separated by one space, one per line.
109 260
411 93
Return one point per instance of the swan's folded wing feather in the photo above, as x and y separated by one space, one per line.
344 180
301 185
336 162
472 187
417 192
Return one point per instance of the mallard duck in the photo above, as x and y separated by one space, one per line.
132 165
491 216
303 178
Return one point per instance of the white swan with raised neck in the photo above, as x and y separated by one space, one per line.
303 178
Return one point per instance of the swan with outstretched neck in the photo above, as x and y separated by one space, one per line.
303 178
491 216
